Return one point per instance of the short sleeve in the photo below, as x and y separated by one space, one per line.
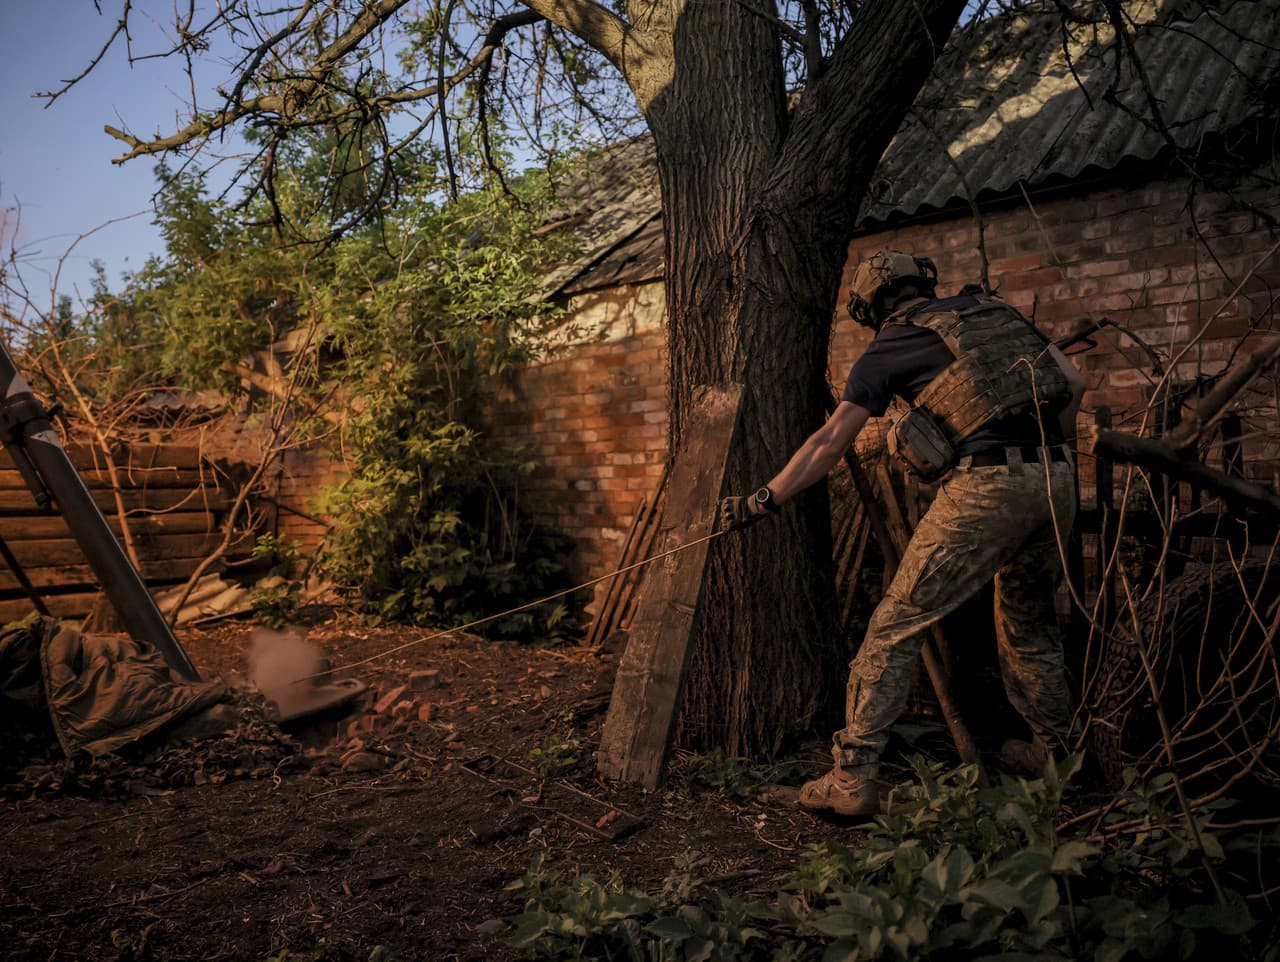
869 384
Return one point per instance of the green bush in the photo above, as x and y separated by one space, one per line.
396 333
960 872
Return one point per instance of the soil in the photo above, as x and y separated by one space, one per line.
410 854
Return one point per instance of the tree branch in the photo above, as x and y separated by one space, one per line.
1158 455
867 86
812 39
122 27
1232 384
603 30
287 106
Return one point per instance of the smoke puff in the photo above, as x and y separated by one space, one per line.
279 664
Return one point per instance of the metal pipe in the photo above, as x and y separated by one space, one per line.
27 433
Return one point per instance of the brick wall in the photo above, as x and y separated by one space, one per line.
303 475
593 417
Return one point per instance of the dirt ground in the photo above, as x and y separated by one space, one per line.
410 854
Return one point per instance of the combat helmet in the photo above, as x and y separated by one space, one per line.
881 278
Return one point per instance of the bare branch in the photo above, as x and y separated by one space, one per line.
1162 456
287 107
812 38
606 32
784 28
122 27
444 96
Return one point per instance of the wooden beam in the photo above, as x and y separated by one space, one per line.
17 501
156 458
60 606
64 576
44 553
130 478
45 526
650 680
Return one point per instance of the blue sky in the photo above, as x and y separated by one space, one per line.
56 162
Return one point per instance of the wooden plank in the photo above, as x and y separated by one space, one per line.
650 679
60 551
141 525
601 620
162 499
74 606
71 575
163 477
87 457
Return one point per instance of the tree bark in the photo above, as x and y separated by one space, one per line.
759 208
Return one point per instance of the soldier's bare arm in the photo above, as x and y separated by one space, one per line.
821 452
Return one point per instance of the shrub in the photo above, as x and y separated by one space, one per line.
959 872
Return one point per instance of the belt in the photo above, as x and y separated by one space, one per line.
1030 455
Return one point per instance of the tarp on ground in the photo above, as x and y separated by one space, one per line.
101 692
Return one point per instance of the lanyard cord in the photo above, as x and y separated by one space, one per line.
518 608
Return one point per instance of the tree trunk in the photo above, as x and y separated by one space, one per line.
759 210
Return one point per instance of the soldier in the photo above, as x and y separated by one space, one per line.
991 403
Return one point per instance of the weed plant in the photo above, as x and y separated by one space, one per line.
958 872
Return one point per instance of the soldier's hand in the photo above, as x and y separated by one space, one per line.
742 511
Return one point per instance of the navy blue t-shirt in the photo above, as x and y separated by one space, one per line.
903 358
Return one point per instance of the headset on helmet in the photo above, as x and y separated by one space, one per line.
879 275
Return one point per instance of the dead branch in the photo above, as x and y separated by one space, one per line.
1230 387
288 107
1160 455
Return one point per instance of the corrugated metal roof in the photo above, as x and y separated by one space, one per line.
1030 105
1010 105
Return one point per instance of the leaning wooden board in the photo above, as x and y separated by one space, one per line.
650 679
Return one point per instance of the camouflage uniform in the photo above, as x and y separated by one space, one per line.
1002 521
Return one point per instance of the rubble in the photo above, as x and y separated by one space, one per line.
420 681
390 699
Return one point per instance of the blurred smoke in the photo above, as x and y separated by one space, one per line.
279 661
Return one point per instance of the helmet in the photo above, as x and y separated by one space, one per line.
885 273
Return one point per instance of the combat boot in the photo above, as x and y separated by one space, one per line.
842 791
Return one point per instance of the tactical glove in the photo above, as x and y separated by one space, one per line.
742 511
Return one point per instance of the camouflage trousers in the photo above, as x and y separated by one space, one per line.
1002 522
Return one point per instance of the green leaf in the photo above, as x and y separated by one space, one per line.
669 927
1070 857
994 892
1211 846
698 950
836 924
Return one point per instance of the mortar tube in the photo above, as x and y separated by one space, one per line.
28 431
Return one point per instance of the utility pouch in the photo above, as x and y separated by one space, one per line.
918 441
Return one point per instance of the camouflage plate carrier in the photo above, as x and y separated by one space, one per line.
1002 368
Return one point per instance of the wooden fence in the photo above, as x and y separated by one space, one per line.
169 496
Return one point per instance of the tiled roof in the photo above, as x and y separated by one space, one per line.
1014 112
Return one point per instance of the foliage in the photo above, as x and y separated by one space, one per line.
387 340
727 775
275 597
430 524
559 757
958 872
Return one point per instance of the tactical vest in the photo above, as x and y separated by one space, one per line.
1002 368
